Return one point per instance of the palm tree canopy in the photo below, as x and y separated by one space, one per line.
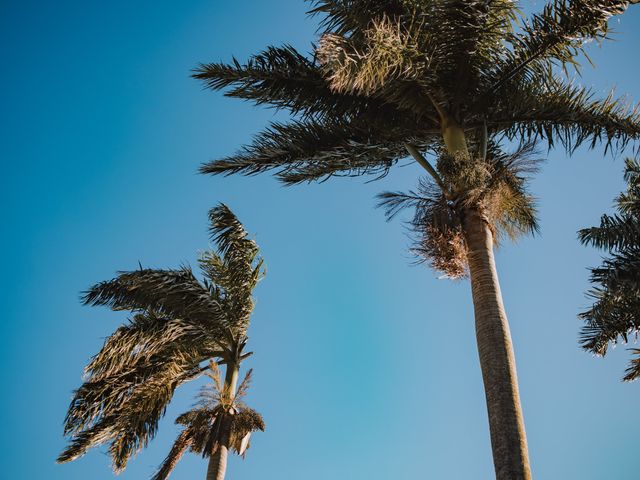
219 416
177 324
389 73
615 313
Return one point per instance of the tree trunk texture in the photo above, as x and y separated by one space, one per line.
218 464
497 361
217 467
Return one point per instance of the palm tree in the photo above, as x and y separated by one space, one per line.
181 328
389 78
615 313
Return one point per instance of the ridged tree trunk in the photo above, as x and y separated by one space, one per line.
508 439
218 464
217 467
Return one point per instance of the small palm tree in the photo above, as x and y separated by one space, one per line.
392 78
219 422
180 329
615 313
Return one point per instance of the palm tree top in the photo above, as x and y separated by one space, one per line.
177 323
385 74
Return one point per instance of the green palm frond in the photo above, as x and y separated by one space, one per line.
475 32
284 78
353 17
633 370
567 114
619 231
309 150
615 313
124 408
555 36
614 232
175 293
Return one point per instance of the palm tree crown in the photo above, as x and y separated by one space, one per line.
393 73
178 324
615 313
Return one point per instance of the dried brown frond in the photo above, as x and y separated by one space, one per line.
243 424
180 446
244 385
389 51
444 250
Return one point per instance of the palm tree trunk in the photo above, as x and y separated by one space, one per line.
218 464
508 439
217 467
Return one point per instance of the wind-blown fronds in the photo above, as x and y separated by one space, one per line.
178 449
178 323
615 313
175 293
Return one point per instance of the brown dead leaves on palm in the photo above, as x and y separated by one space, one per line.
219 418
495 186
390 51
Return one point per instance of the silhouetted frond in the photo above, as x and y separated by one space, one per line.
175 293
567 114
555 36
283 78
615 313
307 151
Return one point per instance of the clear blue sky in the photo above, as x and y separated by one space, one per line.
365 366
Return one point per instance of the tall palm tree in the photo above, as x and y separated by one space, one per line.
181 328
615 313
392 78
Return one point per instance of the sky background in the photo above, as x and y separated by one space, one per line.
365 365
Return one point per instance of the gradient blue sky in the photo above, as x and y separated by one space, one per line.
365 366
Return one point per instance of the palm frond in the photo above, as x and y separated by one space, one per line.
353 17
309 150
555 36
388 52
174 293
633 370
125 409
615 313
146 338
436 227
475 31
566 114
178 449
284 78
614 232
